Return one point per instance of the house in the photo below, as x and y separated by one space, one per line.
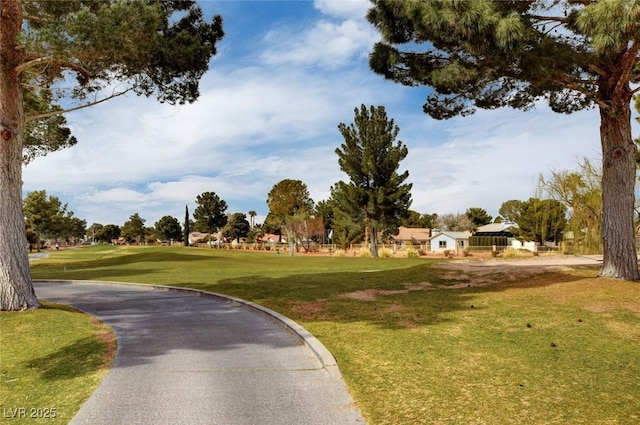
496 229
504 230
413 235
454 241
272 238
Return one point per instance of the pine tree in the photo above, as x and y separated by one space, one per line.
493 53
371 160
187 225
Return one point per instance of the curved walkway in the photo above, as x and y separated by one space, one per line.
186 357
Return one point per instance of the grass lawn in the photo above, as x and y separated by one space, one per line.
420 344
51 360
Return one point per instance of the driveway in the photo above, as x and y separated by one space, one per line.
184 358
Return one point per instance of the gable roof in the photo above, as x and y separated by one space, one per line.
454 235
496 227
409 233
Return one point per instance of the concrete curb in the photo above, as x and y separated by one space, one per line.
323 355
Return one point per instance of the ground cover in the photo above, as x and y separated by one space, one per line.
425 341
51 360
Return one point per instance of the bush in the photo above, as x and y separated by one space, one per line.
447 252
385 253
412 253
466 253
510 252
364 253
339 253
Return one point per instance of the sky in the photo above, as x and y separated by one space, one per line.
285 75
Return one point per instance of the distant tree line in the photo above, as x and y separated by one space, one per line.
368 209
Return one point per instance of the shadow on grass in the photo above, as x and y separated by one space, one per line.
416 296
78 359
114 267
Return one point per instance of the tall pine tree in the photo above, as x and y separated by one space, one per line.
187 225
371 158
494 53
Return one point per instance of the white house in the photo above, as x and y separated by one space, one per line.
454 241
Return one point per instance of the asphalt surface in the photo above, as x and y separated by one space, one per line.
185 358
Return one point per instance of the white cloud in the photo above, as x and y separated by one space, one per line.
343 8
328 44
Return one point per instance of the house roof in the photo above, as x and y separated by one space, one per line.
496 227
409 233
454 235
271 238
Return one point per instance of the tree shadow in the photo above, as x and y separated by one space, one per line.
150 323
114 267
418 295
81 358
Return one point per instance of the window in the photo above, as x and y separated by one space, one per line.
442 244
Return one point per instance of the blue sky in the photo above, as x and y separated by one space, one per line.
286 74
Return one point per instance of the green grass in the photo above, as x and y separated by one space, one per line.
419 345
51 360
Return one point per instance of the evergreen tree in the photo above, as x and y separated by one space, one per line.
187 226
210 213
46 216
168 228
510 210
417 220
541 221
371 160
133 229
493 53
150 48
109 233
478 216
237 227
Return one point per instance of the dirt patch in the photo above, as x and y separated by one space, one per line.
310 310
478 273
371 294
483 272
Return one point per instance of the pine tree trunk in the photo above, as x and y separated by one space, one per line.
373 234
618 198
16 288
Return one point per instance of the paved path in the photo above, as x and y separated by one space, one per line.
187 359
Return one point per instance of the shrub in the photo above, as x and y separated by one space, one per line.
466 253
447 252
412 253
364 253
510 252
339 253
385 253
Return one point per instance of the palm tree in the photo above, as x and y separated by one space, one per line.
252 214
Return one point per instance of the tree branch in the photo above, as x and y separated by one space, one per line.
48 60
34 62
629 62
64 111
559 19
